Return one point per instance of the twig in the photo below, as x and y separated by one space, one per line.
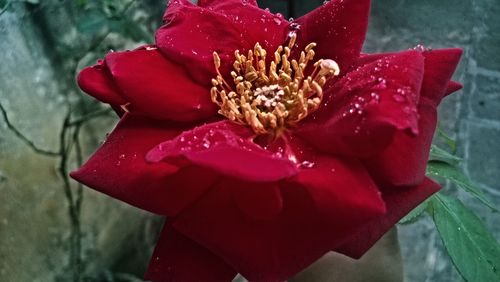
23 137
89 116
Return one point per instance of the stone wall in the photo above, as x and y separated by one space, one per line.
42 219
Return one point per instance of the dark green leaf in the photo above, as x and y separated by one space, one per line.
438 154
415 214
473 250
449 172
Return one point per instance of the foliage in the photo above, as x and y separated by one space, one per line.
472 248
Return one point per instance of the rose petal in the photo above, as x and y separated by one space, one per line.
212 3
338 27
399 203
177 258
98 83
119 169
192 33
257 25
158 88
440 65
320 209
226 148
404 161
346 181
453 86
365 107
259 201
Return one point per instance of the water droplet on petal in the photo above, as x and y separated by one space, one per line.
398 98
307 164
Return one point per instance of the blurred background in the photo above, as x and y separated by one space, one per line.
52 229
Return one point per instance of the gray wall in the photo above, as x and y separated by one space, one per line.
42 47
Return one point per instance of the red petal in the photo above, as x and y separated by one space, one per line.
453 86
118 168
98 83
212 3
320 209
344 181
257 25
157 88
399 203
440 64
404 161
228 149
178 258
192 33
338 27
365 107
259 201
439 67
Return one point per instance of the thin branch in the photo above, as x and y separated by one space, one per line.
79 160
23 137
79 121
5 8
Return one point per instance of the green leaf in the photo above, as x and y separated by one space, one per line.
438 154
415 214
447 139
473 250
449 172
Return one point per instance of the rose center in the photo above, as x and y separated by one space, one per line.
271 97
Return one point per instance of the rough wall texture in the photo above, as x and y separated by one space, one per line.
36 220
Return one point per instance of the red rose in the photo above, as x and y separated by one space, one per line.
302 159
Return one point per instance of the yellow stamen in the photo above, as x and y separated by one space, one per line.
271 97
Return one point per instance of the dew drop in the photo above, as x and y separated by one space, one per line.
375 96
419 47
294 26
307 164
121 157
206 143
398 98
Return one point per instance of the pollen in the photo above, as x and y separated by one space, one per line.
271 97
